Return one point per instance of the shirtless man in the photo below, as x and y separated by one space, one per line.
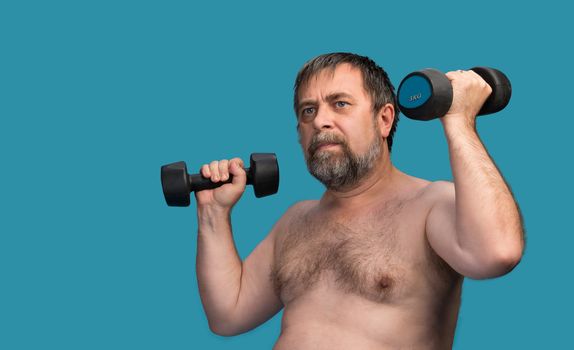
378 262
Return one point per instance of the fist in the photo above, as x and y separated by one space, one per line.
469 92
220 171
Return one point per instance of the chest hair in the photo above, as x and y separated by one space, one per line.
362 254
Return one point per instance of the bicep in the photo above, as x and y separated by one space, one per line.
257 301
441 230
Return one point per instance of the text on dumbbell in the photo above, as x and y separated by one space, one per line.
415 97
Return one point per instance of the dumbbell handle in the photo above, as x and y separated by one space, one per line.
198 183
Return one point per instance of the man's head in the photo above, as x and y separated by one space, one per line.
346 112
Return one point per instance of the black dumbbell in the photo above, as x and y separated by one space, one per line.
427 94
263 174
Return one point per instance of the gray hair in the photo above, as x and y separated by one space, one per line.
375 81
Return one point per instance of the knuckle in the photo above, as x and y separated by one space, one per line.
231 162
223 166
214 168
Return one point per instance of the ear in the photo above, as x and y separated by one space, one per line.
385 119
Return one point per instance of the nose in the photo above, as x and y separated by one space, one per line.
323 119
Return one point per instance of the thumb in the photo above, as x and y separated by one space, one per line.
236 169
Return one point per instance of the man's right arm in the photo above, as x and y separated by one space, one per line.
237 296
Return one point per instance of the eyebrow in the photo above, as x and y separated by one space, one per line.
330 98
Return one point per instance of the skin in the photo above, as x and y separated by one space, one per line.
377 265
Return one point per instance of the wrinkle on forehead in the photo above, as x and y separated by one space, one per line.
328 73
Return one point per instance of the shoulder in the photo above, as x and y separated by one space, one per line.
302 206
429 196
298 209
441 204
427 191
437 190
294 213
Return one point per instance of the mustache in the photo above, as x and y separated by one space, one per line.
319 140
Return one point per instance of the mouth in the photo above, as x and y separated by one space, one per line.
324 146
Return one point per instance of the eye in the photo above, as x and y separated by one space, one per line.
308 111
341 104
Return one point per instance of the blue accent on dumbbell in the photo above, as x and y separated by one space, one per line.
414 92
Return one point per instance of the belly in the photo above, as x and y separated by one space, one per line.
330 319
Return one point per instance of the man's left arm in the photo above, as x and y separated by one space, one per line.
474 225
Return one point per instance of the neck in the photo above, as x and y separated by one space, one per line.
378 182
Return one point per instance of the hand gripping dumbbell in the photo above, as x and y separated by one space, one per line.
263 174
427 94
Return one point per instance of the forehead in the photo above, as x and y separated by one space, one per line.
343 78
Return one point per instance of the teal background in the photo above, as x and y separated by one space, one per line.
96 95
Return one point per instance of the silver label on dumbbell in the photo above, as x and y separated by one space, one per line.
415 97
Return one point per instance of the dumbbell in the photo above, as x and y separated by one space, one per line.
427 94
263 174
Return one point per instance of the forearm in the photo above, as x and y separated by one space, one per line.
487 217
218 265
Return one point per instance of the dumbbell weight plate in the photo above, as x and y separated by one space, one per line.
425 94
501 89
175 184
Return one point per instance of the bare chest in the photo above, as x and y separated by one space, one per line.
378 254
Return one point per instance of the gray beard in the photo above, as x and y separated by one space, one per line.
340 170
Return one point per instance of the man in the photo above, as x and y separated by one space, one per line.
377 262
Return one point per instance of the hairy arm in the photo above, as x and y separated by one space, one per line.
237 295
475 224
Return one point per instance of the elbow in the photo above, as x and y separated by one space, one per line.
504 264
499 263
511 254
508 254
222 329
509 258
226 328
